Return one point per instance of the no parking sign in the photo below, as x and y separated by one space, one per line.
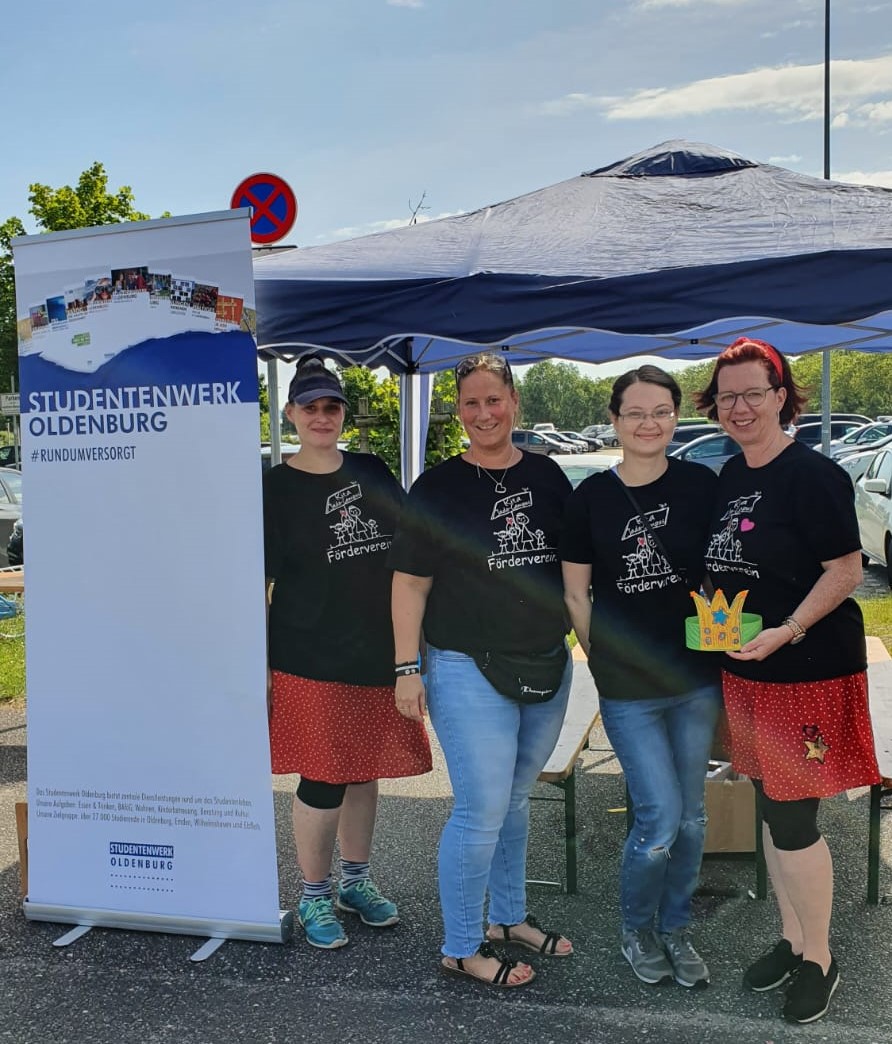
274 206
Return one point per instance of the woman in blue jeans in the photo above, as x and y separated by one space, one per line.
477 569
632 550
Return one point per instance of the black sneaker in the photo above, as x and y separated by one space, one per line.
772 968
808 998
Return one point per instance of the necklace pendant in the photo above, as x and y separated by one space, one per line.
501 487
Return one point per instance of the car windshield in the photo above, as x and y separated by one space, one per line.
13 480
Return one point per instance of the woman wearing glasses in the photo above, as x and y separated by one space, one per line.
477 570
785 531
632 551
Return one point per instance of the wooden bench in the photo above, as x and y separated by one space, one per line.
879 683
12 580
560 769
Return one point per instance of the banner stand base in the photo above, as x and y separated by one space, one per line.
73 935
216 931
208 949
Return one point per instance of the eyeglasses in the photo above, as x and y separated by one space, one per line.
485 361
752 397
661 414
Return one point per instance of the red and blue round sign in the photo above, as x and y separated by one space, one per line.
274 206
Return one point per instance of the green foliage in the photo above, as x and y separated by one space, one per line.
12 657
382 401
559 393
55 210
859 382
263 399
88 203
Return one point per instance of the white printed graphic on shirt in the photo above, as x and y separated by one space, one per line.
646 567
354 535
725 551
519 544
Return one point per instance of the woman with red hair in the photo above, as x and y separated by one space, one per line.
785 531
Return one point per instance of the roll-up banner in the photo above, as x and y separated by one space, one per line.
149 794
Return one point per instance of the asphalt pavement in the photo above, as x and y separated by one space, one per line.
117 987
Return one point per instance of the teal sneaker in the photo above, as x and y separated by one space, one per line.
318 919
363 898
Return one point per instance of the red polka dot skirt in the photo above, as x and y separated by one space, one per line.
802 739
339 733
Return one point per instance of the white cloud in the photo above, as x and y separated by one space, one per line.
405 3
860 92
785 161
882 178
370 227
692 3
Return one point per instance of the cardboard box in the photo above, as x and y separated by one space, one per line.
731 811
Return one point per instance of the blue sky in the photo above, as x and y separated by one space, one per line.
363 105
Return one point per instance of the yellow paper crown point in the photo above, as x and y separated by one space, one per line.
721 625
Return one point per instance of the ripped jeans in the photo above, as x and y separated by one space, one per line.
663 747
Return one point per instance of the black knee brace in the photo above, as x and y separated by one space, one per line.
321 795
793 824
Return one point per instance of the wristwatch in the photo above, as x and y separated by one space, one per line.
798 630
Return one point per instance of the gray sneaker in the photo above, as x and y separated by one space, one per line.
688 966
643 951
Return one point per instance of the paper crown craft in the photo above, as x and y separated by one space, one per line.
719 627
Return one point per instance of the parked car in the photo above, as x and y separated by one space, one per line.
686 433
811 418
608 436
580 467
711 450
855 464
592 443
873 505
10 505
10 457
858 438
811 433
538 442
575 445
15 548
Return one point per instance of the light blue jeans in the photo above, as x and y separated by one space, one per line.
663 747
494 749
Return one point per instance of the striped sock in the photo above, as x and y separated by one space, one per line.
352 873
317 889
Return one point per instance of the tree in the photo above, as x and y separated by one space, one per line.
557 392
382 400
55 210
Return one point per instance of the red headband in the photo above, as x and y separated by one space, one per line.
771 353
775 360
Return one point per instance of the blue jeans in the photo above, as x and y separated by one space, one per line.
494 750
663 746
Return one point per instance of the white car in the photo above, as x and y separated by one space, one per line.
579 467
860 438
873 505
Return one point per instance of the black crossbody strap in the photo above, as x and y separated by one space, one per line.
646 523
706 585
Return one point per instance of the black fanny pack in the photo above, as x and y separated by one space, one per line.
524 677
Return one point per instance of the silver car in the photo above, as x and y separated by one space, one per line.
10 506
711 450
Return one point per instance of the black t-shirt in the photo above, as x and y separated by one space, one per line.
326 542
492 555
639 599
773 527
